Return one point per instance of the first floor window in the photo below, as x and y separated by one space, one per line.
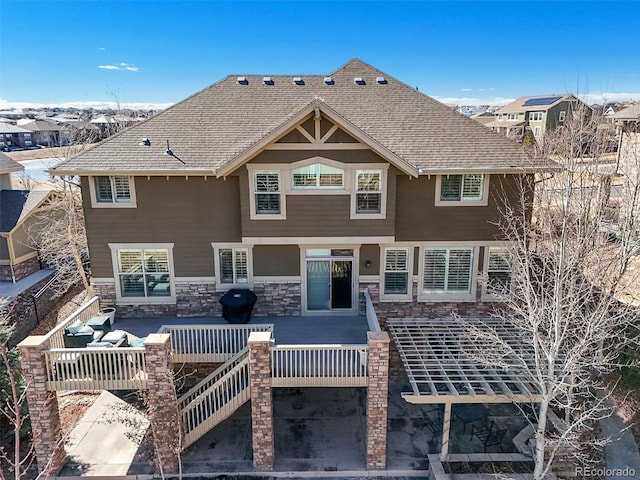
447 270
144 272
562 116
234 265
537 131
499 271
396 271
267 192
113 189
368 191
469 187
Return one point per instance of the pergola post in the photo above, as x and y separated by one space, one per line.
446 427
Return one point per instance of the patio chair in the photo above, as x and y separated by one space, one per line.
489 437
433 424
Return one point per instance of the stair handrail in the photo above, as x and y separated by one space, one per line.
207 382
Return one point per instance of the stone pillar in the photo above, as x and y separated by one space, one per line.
162 401
377 395
43 407
261 400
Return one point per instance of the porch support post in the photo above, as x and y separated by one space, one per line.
162 402
261 400
444 451
43 407
377 400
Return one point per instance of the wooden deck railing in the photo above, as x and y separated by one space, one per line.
209 343
96 369
319 365
217 403
55 338
370 311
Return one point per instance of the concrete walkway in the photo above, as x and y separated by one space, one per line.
623 458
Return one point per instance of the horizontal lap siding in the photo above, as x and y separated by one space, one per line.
418 219
276 260
291 156
188 213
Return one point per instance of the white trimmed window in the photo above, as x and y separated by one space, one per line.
317 176
112 191
144 274
512 116
537 131
447 271
397 280
233 266
469 189
562 115
267 192
368 192
499 265
535 116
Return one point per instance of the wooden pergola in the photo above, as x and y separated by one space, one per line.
441 360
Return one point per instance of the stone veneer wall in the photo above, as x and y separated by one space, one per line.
377 400
386 310
261 401
202 300
20 270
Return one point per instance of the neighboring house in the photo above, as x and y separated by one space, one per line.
627 123
43 132
15 137
536 114
18 210
306 189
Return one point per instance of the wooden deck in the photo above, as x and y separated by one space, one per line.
323 330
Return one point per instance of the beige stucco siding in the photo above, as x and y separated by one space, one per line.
188 213
418 219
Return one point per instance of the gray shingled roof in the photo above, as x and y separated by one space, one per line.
629 113
218 124
16 205
517 106
8 165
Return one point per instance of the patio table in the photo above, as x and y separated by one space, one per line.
469 413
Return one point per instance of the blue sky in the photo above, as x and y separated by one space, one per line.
158 52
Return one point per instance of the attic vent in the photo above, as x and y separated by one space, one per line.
298 81
328 81
243 81
267 81
359 81
381 80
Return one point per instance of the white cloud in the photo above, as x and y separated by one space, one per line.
123 66
604 97
494 101
97 104
466 89
102 49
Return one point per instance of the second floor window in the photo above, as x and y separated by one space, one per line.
267 192
535 117
456 188
317 176
112 189
368 191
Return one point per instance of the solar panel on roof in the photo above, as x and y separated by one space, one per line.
533 102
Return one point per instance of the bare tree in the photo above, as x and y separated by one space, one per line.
12 402
569 288
58 233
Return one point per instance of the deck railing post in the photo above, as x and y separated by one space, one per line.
163 401
377 394
261 400
43 407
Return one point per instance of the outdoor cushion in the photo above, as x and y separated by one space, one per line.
100 345
74 327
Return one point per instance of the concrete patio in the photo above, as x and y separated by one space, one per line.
318 432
